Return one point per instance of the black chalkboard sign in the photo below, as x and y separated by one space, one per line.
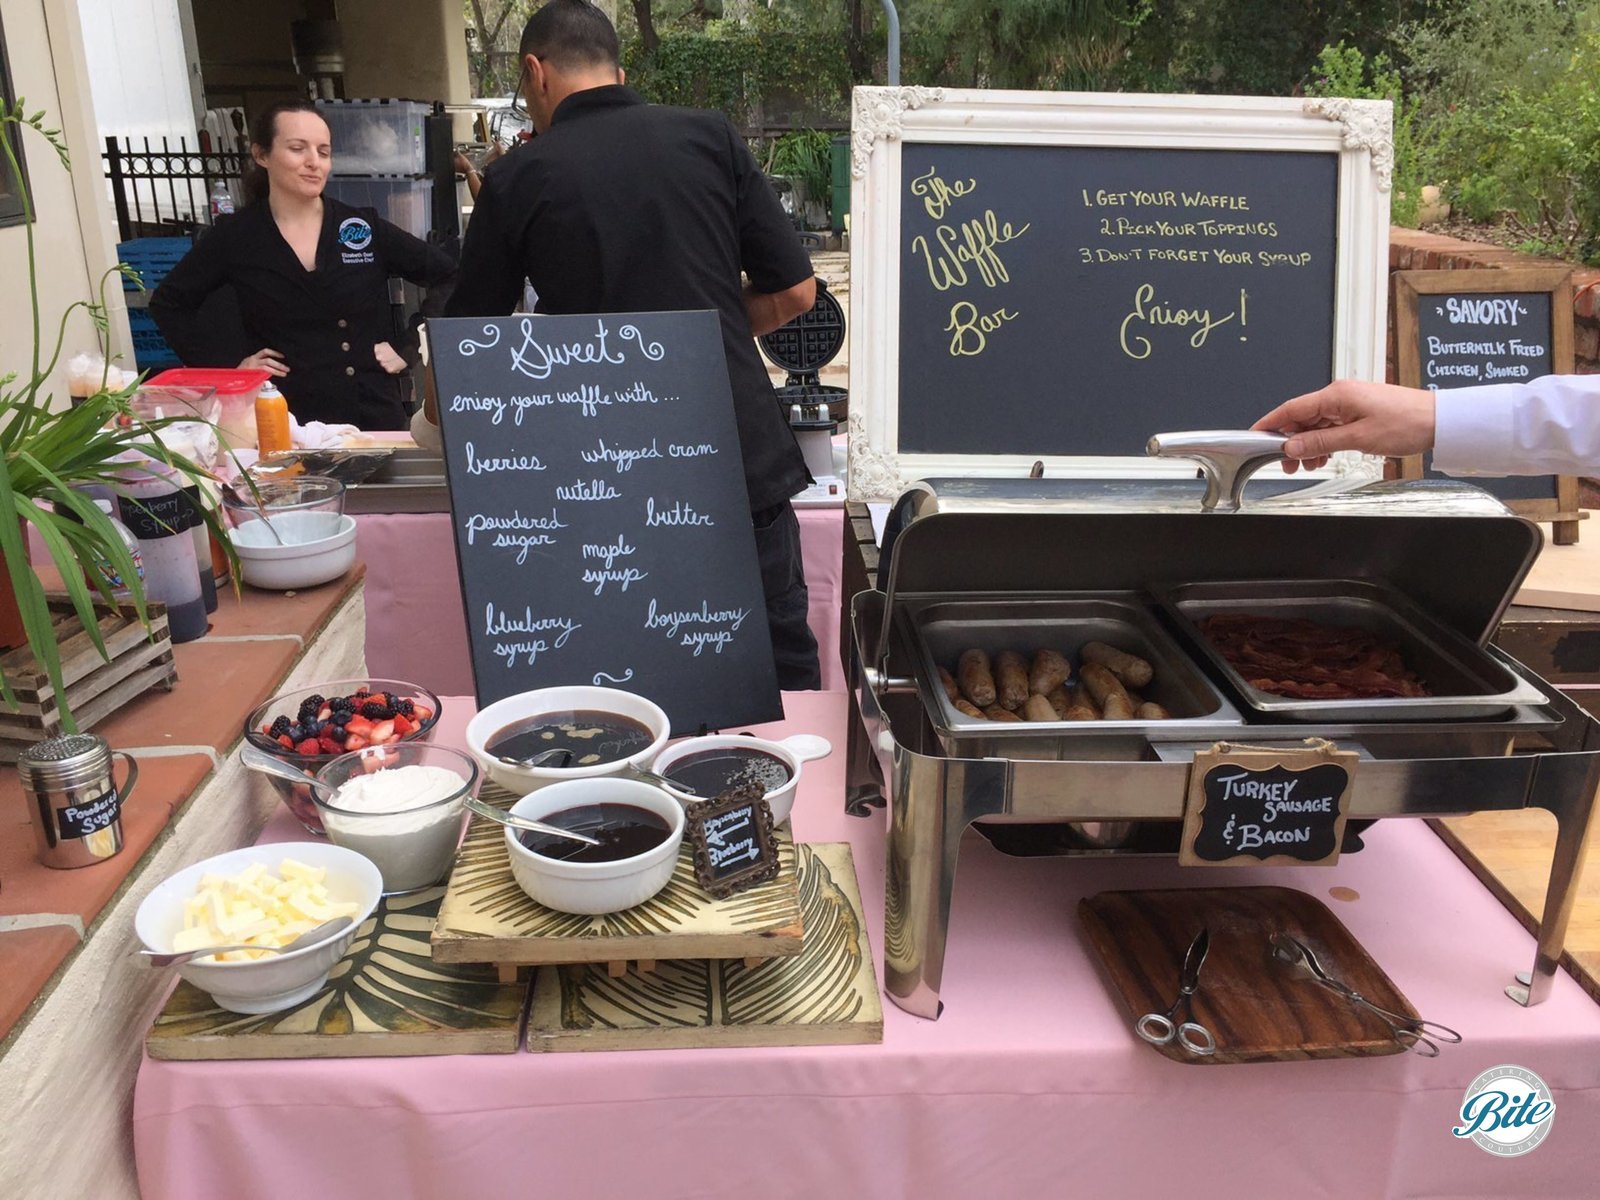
602 525
1252 806
89 815
1070 300
1468 328
731 840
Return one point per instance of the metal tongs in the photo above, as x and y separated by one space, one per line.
1410 1032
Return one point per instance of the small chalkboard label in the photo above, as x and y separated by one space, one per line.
88 816
731 837
1252 806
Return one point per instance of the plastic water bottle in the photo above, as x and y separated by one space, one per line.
221 200
119 586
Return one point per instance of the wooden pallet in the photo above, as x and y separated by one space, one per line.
140 659
825 995
487 917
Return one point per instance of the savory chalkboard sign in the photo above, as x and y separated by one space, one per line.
731 840
1467 328
1077 299
1249 806
601 520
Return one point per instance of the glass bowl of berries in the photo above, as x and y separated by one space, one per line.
309 727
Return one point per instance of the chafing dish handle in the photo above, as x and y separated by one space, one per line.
1228 457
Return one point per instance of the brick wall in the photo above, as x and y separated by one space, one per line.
1414 250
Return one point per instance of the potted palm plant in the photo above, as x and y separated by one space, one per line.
48 452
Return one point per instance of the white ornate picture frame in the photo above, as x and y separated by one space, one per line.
886 119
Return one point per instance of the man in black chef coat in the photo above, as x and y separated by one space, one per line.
623 206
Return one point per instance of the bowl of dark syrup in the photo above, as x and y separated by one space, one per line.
703 767
596 731
640 829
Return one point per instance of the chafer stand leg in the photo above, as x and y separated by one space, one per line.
933 803
1572 800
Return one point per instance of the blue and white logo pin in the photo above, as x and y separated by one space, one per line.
1507 1111
355 233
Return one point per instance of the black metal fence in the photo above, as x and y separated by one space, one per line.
164 189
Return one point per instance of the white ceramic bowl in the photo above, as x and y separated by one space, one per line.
312 556
522 706
276 981
592 888
792 751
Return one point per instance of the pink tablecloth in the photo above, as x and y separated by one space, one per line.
416 629
1031 1084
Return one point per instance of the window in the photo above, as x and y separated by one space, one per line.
10 189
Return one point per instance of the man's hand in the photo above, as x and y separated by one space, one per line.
388 359
773 310
270 361
1375 418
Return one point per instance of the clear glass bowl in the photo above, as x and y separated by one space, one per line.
412 844
298 796
305 508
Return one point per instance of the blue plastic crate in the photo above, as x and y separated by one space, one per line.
150 349
152 257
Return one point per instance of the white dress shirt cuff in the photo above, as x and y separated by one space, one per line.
1473 431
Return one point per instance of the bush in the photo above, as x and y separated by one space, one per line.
1479 199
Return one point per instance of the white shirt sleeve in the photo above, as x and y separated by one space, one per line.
1550 426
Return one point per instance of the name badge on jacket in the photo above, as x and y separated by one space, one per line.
355 238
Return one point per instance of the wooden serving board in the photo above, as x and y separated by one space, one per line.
1257 1010
825 995
487 918
386 998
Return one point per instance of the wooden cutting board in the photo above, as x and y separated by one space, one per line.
825 995
1257 1010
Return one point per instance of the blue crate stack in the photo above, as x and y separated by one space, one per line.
152 258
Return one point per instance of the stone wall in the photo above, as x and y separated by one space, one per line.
1414 250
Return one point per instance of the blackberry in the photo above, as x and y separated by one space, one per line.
311 706
405 708
280 727
376 710
342 704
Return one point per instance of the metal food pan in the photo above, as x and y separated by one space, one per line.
1465 680
943 629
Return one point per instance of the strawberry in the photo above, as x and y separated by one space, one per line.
420 713
308 746
353 741
403 726
329 745
359 725
286 741
382 732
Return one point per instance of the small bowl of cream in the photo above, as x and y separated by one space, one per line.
402 805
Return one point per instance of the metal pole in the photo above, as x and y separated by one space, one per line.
893 17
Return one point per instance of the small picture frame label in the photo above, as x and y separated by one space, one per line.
1249 806
731 837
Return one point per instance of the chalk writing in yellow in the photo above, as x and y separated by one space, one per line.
937 194
969 329
1147 313
974 243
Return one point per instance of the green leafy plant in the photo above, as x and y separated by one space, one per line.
1344 70
807 156
47 452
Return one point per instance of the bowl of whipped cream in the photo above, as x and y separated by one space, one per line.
402 805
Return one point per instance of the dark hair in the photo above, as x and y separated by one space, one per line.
263 132
572 34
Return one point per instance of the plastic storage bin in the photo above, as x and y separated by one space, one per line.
236 390
377 137
403 201
153 258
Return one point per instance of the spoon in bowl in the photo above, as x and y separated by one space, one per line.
548 758
485 809
155 958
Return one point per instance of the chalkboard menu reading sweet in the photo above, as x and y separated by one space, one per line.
1496 337
1070 300
1250 806
601 520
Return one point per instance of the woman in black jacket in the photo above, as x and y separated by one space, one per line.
311 275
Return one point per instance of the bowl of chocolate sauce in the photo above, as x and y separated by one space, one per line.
639 826
700 768
596 731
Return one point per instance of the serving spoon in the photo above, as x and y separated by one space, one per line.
485 809
547 758
155 958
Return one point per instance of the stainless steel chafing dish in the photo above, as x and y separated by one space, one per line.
996 562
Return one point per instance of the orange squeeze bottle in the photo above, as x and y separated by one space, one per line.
272 421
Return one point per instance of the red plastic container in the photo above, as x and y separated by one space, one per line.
236 390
